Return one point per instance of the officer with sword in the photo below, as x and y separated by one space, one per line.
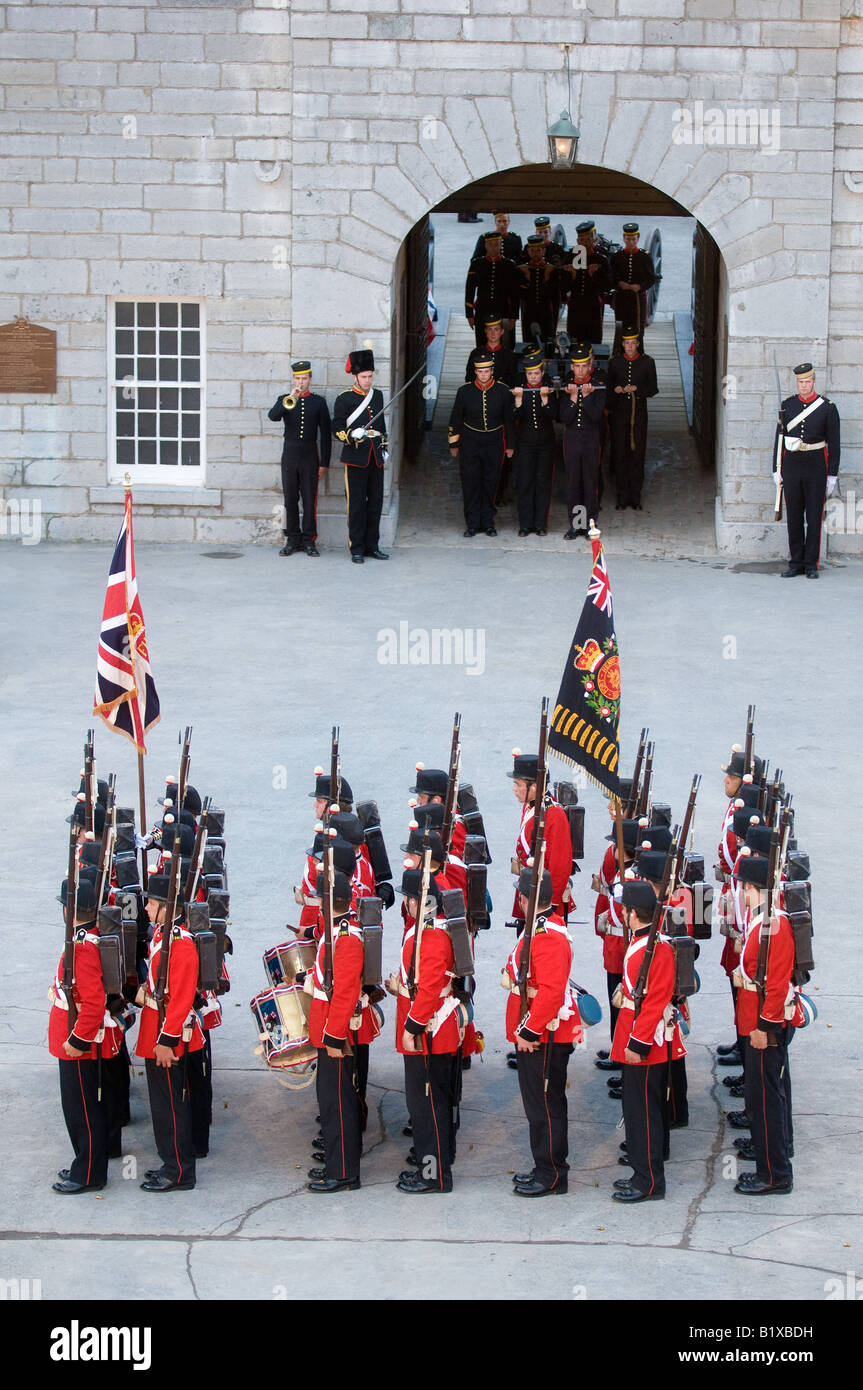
805 468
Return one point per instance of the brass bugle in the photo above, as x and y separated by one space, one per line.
288 402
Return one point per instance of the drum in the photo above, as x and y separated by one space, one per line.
282 1016
284 963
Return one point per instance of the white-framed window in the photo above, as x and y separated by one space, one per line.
156 390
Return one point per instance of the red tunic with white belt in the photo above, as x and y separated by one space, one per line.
434 1003
93 1024
613 947
646 1034
558 850
180 991
552 1015
751 1012
347 1014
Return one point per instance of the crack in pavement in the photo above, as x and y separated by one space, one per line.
189 1248
709 1174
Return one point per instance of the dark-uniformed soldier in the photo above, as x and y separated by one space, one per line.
491 288
505 366
536 408
364 456
586 285
544 1039
632 275
809 468
512 247
539 293
306 419
481 432
554 254
631 383
581 413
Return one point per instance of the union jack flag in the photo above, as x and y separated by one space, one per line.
125 695
585 725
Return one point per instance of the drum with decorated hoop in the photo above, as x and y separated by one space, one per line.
284 963
282 1016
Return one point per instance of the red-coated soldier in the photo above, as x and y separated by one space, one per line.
608 920
728 1054
80 1049
544 1039
336 1025
428 1034
650 866
765 1019
558 841
642 1045
164 1044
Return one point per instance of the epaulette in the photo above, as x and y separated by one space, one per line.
80 933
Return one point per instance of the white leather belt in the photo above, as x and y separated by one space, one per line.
806 448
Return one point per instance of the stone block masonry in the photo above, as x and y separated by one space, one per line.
270 162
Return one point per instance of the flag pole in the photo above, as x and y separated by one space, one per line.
142 798
594 533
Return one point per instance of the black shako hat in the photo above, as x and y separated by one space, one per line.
158 885
545 889
86 901
191 797
735 765
525 766
322 788
752 868
651 864
411 885
77 817
417 844
744 818
632 833
656 837
430 815
638 895
431 781
341 887
759 838
101 789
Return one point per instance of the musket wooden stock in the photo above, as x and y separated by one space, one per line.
687 823
71 913
643 806
666 888
106 849
327 908
750 734
537 851
414 967
632 800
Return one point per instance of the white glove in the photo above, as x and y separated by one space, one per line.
358 434
602 924
143 841
831 485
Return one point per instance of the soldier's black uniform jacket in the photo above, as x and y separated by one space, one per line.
359 453
491 287
309 420
535 419
538 287
639 372
512 247
554 254
582 287
636 268
820 428
583 414
479 411
505 365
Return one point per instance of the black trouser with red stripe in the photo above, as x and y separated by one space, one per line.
678 1102
628 448
546 1110
644 1115
339 1108
365 491
171 1111
534 468
767 1086
86 1120
480 457
300 482
582 452
199 1079
115 1090
431 1115
804 483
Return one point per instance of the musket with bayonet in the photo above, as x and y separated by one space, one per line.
183 774
687 824
197 860
537 861
425 877
750 737
91 785
632 800
778 850
453 774
335 775
643 805
174 888
327 869
666 888
106 848
68 977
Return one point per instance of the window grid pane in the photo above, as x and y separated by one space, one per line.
155 346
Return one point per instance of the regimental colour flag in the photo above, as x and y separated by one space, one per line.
125 695
585 725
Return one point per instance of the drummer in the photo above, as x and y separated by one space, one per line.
330 1032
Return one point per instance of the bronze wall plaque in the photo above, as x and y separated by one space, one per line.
28 357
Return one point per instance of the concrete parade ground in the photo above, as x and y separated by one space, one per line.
262 655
